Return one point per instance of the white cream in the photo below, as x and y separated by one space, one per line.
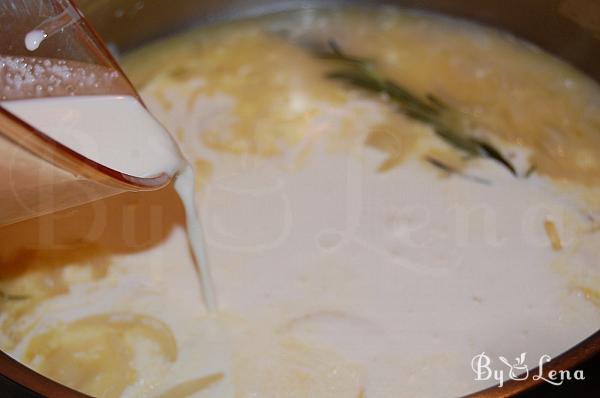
114 131
184 185
34 38
51 26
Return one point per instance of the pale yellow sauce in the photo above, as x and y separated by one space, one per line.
94 354
39 276
244 92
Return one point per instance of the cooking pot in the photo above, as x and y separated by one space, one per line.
569 29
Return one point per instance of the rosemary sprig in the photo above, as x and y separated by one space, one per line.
453 171
448 124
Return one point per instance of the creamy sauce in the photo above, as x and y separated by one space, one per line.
346 265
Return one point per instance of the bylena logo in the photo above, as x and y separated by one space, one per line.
484 369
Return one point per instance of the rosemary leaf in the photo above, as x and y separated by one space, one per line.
493 153
436 101
404 96
334 52
358 79
12 297
440 165
530 171
452 171
457 140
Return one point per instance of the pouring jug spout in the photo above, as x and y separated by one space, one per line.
72 127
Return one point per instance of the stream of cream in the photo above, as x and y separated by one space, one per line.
184 185
119 133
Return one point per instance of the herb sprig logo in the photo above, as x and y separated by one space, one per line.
504 369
